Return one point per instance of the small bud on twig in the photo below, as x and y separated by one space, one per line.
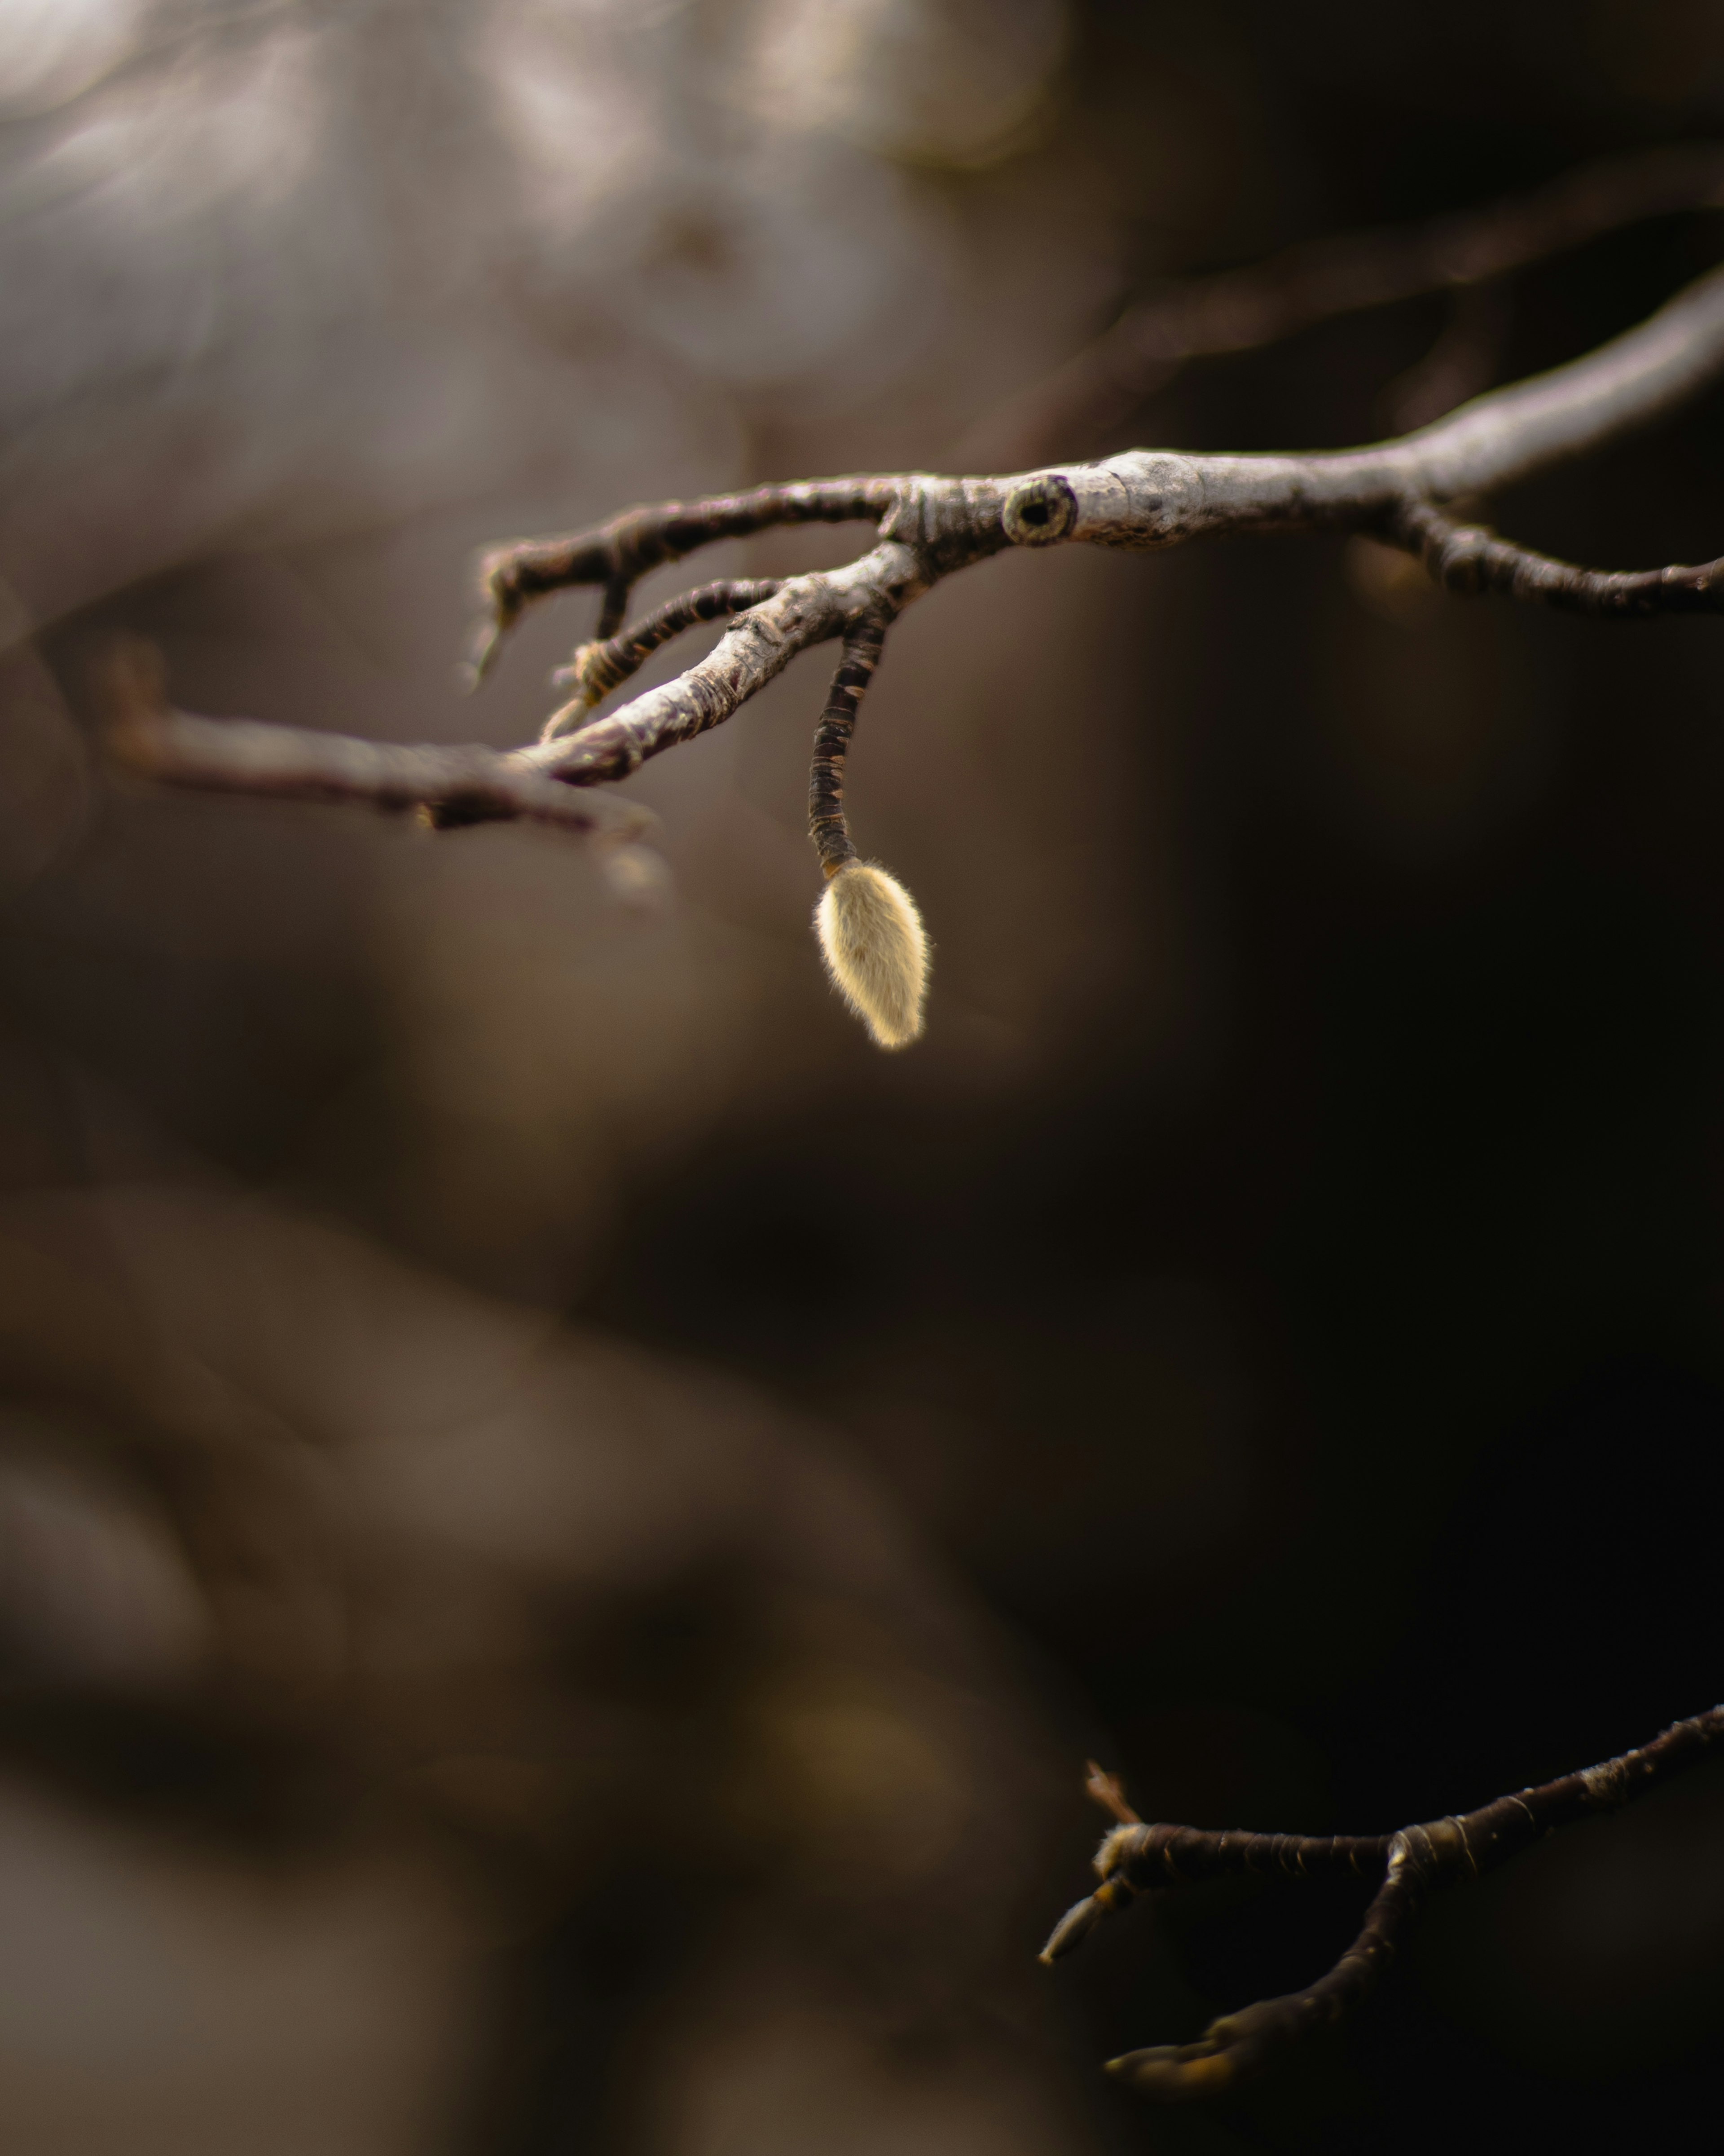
877 951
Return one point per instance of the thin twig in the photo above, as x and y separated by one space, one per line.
620 553
462 784
595 668
1459 364
1109 1791
1138 1859
1467 557
1071 410
827 825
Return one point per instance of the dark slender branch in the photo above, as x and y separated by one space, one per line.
1138 1859
596 668
613 609
1466 558
620 553
1141 1856
464 784
827 826
1241 309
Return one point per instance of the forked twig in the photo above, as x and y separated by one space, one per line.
927 527
1136 1859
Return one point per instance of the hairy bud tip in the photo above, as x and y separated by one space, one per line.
877 951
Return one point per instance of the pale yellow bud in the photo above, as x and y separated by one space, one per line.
877 951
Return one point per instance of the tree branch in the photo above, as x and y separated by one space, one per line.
1138 1859
927 527
596 668
826 824
1466 558
453 785
1242 309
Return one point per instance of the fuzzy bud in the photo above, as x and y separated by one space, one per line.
877 951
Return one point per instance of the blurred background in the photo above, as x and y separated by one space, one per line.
566 1527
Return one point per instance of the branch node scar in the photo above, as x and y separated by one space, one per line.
1041 511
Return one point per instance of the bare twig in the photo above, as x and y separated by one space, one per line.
596 668
1102 385
927 527
756 647
462 784
1109 1791
1466 558
1459 364
827 825
931 527
620 553
1135 1860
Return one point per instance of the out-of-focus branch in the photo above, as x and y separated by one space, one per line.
1102 385
464 783
1458 365
1136 1859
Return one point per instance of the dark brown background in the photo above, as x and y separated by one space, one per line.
1267 1335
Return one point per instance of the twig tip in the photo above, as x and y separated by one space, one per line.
1109 1791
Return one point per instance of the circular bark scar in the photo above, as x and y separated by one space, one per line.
1040 512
